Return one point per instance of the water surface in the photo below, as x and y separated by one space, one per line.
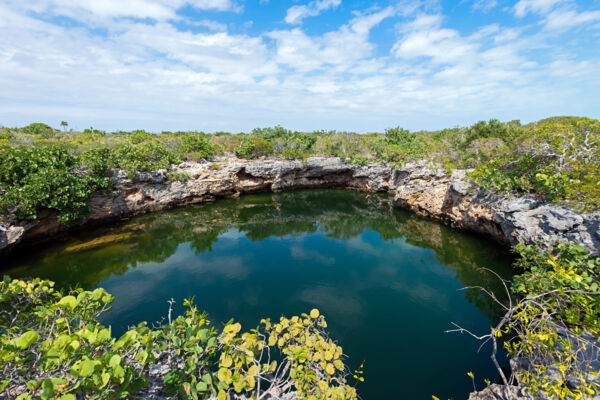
388 281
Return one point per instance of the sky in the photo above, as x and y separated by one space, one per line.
234 65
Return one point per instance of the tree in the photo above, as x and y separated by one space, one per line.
64 125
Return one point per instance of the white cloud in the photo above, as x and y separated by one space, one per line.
524 7
484 5
564 18
157 75
424 37
341 48
99 9
570 68
211 25
296 14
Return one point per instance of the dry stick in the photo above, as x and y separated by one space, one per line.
492 336
171 302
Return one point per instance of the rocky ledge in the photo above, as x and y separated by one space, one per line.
427 191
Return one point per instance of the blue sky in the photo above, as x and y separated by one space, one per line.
322 64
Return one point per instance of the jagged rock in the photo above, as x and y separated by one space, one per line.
459 203
420 187
498 392
10 235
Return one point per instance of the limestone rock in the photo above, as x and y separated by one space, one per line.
420 187
498 392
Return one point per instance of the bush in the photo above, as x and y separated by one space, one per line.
39 129
526 174
147 156
99 160
359 160
53 347
271 134
196 146
485 130
551 327
6 134
47 176
343 145
553 160
297 146
557 321
254 147
400 145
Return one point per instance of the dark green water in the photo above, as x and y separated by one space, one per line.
387 281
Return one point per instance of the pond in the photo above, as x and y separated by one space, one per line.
387 281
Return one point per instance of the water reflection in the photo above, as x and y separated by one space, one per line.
387 280
342 215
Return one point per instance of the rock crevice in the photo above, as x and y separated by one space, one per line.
427 191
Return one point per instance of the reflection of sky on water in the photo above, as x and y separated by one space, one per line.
379 275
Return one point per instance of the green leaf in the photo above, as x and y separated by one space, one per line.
212 342
115 361
203 333
68 301
48 390
207 378
27 339
86 367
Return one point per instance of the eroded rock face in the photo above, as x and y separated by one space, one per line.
498 392
459 203
425 190
150 191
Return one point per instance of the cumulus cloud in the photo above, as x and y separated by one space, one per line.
296 14
425 37
341 48
164 74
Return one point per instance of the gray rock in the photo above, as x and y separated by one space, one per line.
421 187
461 187
520 205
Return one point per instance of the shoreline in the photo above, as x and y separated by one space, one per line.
423 189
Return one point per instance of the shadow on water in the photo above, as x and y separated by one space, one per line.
388 281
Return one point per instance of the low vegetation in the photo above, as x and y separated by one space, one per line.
556 159
53 347
551 325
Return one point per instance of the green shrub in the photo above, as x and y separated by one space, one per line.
556 161
558 312
400 145
39 129
359 159
46 176
6 134
485 130
343 145
178 176
526 174
393 154
53 347
196 147
271 134
254 147
99 160
551 325
147 156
